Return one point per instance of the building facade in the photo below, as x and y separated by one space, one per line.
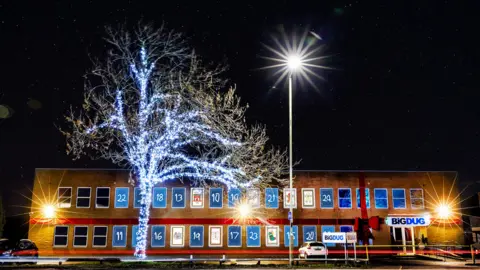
94 212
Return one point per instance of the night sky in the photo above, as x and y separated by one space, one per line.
403 96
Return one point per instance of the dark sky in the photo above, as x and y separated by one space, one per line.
404 95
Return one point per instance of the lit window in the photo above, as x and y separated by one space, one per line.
345 198
60 236
346 228
416 198
367 198
83 197
381 198
100 236
398 196
64 197
103 197
80 236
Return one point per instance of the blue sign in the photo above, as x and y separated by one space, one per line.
137 198
234 195
271 198
328 229
178 197
234 236
286 231
289 215
119 236
253 236
158 236
121 197
326 198
196 236
216 197
134 235
309 233
159 199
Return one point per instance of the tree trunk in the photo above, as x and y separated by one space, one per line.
143 218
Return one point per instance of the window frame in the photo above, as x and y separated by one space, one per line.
127 198
135 190
274 191
58 197
210 198
55 236
368 201
82 197
375 197
113 235
423 199
184 198
232 203
164 199
183 236
240 236
191 198
284 196
320 195
75 235
352 229
313 198
210 227
96 198
247 197
190 236
339 198
404 198
93 236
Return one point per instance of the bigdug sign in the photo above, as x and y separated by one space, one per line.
334 237
407 221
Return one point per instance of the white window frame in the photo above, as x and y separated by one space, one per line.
278 236
93 237
135 190
375 197
127 197
351 199
190 238
210 236
113 235
89 197
259 197
183 236
58 197
75 235
259 236
423 198
240 235
266 201
96 197
210 198
358 206
404 198
54 236
191 198
285 206
313 192
320 195
184 198
303 231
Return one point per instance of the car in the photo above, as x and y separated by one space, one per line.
312 249
25 248
4 245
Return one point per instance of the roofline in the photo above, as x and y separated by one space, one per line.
331 171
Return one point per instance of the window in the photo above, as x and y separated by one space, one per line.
103 197
308 197
328 228
178 197
64 197
289 198
119 236
367 198
253 197
326 198
60 236
234 196
381 198
398 196
271 198
346 228
159 197
83 197
416 198
121 197
197 198
216 197
100 236
80 236
196 236
345 198
137 197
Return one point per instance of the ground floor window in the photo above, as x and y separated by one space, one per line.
60 236
100 236
80 235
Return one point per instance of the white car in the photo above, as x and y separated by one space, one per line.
312 249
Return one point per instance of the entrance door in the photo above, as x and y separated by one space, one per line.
402 238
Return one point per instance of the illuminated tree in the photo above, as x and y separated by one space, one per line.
154 108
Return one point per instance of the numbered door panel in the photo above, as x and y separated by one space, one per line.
119 236
158 236
309 233
177 236
178 197
272 236
253 197
253 236
137 198
326 198
134 235
271 198
289 198
234 236
234 195
121 197
215 236
196 236
197 198
286 231
216 197
328 228
159 199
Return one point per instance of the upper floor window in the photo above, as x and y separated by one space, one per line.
64 197
103 197
345 198
83 197
381 198
398 198
367 198
416 198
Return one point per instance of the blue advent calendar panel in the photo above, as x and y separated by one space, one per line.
134 235
137 198
328 229
121 197
158 236
234 195
234 236
253 236
178 197
309 233
119 236
159 199
326 197
286 231
271 198
196 236
216 197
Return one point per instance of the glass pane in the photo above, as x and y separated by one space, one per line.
416 194
60 241
83 202
398 193
344 193
99 241
81 231
64 192
61 230
103 192
367 198
346 229
345 203
100 231
380 193
102 202
417 203
83 192
80 241
381 203
399 203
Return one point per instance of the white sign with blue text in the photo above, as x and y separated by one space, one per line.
334 237
407 221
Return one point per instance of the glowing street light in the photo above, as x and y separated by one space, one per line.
48 211
444 211
244 210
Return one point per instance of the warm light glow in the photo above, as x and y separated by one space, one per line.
444 211
244 210
48 211
294 62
